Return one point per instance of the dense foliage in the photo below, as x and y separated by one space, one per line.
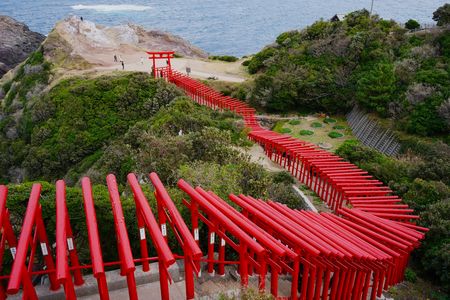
69 127
130 123
421 176
363 59
118 123
442 15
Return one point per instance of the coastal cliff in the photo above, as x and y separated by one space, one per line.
17 41
97 44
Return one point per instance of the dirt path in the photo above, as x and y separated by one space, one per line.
201 69
257 155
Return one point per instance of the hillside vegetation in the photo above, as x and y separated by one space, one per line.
330 66
118 123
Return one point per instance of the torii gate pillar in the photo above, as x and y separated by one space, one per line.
161 71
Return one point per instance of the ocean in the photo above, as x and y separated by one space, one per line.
223 27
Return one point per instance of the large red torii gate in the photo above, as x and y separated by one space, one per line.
161 71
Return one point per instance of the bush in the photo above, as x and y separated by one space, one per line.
339 127
294 122
85 115
329 120
335 135
245 63
306 132
284 193
434 254
285 130
316 125
227 58
410 275
283 177
412 24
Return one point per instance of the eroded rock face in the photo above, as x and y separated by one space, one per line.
90 40
16 43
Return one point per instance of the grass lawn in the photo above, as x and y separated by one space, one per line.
320 134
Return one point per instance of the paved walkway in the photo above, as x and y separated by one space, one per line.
146 291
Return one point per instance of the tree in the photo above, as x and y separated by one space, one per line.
442 15
412 24
375 88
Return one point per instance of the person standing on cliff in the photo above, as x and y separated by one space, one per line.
81 18
115 58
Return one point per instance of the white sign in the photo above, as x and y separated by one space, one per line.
142 233
13 252
164 229
44 249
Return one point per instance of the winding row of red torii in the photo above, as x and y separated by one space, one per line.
353 254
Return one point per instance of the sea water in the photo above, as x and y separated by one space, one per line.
229 27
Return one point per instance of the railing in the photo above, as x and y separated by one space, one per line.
33 234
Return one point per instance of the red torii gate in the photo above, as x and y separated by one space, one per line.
161 71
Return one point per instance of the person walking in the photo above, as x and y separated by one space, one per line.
115 58
123 65
81 18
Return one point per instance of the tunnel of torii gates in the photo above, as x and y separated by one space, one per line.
354 253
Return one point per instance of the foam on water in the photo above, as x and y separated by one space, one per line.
109 8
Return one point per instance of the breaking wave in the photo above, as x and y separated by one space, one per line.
109 8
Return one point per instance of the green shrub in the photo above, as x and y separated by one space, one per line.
294 122
434 253
339 127
245 63
306 132
335 135
316 125
286 130
410 275
412 24
283 177
227 58
329 120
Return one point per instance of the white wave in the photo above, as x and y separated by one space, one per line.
109 8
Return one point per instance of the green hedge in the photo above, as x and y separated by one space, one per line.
335 135
306 132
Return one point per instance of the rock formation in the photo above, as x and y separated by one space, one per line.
17 41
